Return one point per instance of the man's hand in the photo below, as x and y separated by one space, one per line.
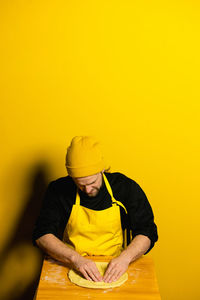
116 268
88 268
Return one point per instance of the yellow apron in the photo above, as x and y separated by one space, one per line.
92 232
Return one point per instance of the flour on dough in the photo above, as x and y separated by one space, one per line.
101 266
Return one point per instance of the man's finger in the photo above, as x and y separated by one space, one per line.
96 272
108 270
109 274
93 273
116 276
86 275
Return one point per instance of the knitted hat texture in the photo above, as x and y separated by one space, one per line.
84 157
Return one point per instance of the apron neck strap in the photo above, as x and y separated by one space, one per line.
109 191
77 202
108 186
111 194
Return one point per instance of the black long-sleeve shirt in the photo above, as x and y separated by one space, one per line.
61 194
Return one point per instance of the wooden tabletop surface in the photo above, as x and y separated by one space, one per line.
141 284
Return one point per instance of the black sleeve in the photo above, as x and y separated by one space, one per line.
51 215
140 214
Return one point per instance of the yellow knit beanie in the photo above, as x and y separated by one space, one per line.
84 157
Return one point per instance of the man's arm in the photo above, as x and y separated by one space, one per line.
56 248
139 246
117 266
50 244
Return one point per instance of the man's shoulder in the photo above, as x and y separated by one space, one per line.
119 178
62 183
61 180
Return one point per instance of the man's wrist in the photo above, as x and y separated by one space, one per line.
74 257
125 254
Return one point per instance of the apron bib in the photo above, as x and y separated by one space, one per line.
92 232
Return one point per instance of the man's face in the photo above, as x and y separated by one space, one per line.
90 185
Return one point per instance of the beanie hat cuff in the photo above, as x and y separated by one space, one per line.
86 170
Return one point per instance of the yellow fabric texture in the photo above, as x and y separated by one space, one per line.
92 232
84 157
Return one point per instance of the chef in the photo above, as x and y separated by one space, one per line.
94 212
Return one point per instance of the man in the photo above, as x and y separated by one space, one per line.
94 212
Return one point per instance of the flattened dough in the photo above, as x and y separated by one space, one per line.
101 266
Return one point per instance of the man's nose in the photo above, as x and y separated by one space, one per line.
88 189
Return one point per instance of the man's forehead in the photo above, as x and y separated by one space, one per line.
86 180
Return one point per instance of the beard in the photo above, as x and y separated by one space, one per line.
95 190
93 193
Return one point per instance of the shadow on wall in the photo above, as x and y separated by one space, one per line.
20 261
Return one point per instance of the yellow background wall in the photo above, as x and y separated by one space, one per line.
126 72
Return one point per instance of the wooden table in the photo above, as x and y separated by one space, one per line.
141 284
